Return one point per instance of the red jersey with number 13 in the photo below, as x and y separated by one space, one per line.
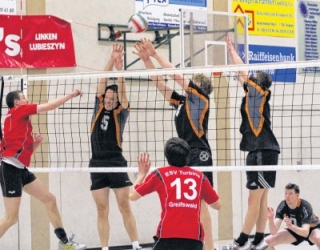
180 190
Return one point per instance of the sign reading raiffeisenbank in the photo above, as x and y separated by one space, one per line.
268 17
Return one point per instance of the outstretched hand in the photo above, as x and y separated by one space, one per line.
76 92
144 163
270 213
230 44
116 55
148 47
140 51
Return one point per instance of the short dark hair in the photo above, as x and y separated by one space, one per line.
293 186
113 87
263 79
11 96
177 151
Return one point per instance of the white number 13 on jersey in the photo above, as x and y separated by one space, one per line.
190 183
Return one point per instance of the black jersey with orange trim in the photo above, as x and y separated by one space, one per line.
192 115
106 131
302 214
256 124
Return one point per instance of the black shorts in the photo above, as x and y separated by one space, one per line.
13 179
176 244
111 180
261 179
299 238
201 157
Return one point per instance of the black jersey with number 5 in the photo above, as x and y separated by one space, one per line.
106 131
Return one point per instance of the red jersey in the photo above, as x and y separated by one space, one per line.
180 190
17 133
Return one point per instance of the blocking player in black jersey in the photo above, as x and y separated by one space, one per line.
297 214
111 112
191 118
259 140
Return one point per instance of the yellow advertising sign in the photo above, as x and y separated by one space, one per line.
268 17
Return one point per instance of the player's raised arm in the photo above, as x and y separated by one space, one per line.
144 164
164 62
158 80
51 105
116 53
235 59
118 64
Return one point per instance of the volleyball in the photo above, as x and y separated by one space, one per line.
137 23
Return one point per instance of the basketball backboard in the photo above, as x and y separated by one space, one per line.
203 34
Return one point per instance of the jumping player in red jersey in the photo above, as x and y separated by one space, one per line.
191 117
181 190
17 146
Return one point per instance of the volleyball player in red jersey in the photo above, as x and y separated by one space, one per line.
181 190
17 146
191 117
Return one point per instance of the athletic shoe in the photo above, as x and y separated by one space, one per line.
226 247
71 245
236 246
261 246
137 248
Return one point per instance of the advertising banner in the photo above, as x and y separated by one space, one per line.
272 54
308 19
39 41
166 14
268 17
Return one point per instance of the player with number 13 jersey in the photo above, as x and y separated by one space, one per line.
180 191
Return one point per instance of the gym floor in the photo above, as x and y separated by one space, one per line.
302 246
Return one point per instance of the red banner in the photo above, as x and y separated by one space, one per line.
35 42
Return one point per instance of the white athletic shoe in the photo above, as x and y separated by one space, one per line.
261 246
137 248
235 246
71 245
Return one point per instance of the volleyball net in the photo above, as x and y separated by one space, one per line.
295 112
